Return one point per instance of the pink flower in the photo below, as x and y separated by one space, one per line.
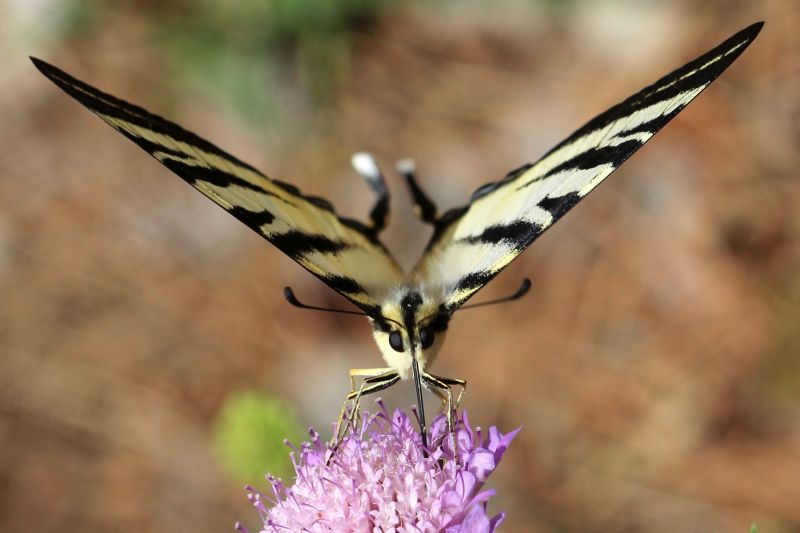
380 480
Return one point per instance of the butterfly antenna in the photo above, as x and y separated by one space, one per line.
523 289
288 293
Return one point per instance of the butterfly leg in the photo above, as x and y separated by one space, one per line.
375 379
443 389
446 399
462 383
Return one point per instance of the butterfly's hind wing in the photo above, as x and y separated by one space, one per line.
343 253
473 243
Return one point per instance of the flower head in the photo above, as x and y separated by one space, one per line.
380 480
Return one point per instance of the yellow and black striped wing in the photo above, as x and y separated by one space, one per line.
472 244
343 253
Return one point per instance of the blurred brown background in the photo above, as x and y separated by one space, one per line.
654 365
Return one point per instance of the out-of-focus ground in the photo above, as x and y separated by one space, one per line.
654 366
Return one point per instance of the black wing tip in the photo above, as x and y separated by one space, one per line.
42 66
735 45
747 35
53 73
753 29
45 68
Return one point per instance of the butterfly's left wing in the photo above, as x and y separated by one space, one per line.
344 253
472 244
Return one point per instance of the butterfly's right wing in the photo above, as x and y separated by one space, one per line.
343 253
472 244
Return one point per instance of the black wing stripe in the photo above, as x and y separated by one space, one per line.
344 284
650 127
559 205
594 157
474 280
254 219
193 173
515 234
297 244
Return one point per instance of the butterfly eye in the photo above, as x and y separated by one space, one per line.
396 341
426 337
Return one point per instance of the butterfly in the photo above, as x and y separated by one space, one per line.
469 246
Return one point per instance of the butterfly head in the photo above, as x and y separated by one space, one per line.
411 326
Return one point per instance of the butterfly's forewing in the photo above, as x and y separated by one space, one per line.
474 243
343 253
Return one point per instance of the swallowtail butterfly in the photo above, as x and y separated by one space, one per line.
470 245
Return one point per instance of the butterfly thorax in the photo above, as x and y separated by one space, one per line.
412 324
